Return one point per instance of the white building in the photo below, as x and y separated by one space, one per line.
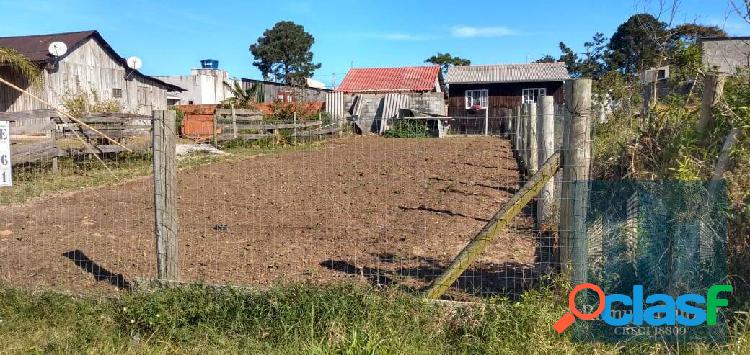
206 85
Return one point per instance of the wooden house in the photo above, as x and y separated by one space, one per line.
493 90
90 66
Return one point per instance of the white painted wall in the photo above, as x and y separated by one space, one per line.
204 86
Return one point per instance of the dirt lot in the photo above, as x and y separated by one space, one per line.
368 208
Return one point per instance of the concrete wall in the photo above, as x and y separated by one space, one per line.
204 86
728 55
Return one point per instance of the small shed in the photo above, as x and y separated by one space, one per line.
89 66
374 95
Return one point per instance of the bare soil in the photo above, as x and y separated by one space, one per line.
386 211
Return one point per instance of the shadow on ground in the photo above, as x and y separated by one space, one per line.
100 273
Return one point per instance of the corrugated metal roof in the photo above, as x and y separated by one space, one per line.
35 48
423 78
507 73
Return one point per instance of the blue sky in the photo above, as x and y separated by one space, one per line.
172 36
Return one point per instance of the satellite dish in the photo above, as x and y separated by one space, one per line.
57 49
135 63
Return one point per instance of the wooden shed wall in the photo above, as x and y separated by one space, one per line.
501 96
91 69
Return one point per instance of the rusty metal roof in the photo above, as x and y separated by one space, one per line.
423 78
35 48
507 73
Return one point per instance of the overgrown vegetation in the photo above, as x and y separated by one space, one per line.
407 129
80 103
19 63
345 319
665 144
659 139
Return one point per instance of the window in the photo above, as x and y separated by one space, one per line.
476 98
142 95
531 95
117 93
285 96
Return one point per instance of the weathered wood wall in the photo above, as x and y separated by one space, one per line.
91 69
501 96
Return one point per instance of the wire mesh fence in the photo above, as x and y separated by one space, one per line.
390 212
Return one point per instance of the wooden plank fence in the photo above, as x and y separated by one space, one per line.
36 135
248 124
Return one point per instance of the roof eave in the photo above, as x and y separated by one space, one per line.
507 81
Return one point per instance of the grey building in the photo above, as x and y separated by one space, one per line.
727 55
89 66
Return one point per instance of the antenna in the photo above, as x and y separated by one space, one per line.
135 63
57 49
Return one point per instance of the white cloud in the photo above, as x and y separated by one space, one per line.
471 31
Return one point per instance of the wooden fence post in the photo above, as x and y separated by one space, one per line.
487 121
531 138
492 229
165 195
522 137
509 119
234 122
214 139
294 130
575 165
516 130
713 89
546 146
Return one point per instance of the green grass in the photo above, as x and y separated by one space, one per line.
343 319
38 180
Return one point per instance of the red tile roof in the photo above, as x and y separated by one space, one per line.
391 79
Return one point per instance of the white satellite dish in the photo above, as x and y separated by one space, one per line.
135 63
57 49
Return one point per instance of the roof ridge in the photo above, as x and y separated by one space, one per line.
505 65
52 34
403 67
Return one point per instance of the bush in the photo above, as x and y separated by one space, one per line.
407 129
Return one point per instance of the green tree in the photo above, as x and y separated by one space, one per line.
283 53
637 44
546 59
691 32
590 64
446 60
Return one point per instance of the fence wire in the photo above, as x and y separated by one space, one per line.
282 208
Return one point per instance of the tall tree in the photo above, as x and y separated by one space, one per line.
446 60
591 63
546 59
283 53
690 32
638 44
